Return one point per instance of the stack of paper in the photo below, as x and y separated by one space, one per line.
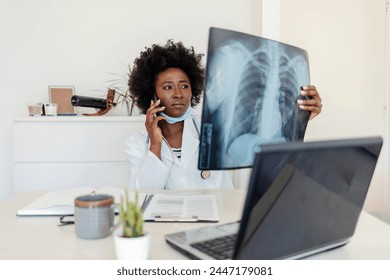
181 208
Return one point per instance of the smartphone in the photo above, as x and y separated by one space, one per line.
155 100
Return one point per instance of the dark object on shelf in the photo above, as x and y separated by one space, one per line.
84 101
104 105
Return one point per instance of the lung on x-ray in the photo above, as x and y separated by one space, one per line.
251 91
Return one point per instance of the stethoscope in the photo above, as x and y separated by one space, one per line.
205 174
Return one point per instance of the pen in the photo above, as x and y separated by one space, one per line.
146 202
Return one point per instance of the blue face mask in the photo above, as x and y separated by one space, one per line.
172 120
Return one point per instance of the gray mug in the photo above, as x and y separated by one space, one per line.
94 215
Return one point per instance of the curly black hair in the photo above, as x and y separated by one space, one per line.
158 58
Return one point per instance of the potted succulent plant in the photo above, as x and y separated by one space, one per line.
131 241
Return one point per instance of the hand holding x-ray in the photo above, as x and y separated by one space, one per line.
252 96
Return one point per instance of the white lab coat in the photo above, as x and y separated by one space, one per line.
147 171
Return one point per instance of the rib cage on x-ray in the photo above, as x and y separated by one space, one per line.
249 90
252 96
249 101
252 87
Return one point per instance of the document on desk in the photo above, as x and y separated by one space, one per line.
61 203
181 208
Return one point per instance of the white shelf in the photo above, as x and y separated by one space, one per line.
81 118
54 153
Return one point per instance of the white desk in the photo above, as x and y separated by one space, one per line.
41 238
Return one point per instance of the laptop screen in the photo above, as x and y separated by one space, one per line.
305 196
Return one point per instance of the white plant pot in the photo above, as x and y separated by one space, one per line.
136 248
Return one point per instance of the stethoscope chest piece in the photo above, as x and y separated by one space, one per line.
205 174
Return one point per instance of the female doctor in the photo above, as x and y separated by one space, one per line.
167 82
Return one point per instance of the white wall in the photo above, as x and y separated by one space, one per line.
346 42
79 42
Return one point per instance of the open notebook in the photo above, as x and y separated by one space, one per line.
61 203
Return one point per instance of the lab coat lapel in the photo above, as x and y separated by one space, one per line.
190 142
167 154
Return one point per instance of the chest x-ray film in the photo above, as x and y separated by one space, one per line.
251 92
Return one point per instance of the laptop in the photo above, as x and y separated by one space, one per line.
303 198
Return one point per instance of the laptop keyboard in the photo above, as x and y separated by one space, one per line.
220 248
